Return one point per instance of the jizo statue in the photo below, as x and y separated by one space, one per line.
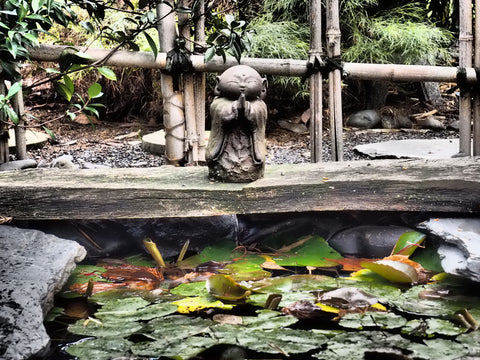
236 149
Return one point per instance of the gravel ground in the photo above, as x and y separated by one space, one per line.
118 147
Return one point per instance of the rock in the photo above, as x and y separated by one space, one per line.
368 241
411 148
430 122
64 162
18 165
364 119
33 267
460 248
296 127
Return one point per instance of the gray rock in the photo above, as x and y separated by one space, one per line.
33 267
460 248
18 165
369 241
366 119
64 162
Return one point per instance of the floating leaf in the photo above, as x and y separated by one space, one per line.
394 271
99 349
382 320
197 303
223 287
408 242
431 327
191 289
245 269
312 252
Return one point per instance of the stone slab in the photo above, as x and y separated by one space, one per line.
411 148
154 143
34 138
33 267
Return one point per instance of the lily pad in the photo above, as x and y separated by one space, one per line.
190 289
99 349
382 320
312 252
245 269
105 329
431 327
184 348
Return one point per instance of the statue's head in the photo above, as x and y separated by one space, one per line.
241 79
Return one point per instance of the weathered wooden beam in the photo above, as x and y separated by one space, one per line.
451 185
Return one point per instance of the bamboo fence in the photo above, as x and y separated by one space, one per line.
185 132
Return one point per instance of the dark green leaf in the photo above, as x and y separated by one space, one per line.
14 89
152 45
95 90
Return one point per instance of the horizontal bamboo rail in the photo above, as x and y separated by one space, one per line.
286 67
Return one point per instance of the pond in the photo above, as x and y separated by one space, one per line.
282 292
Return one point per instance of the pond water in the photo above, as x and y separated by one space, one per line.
262 287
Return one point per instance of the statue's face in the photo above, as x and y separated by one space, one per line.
241 79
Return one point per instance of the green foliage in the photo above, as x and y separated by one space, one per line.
6 110
399 36
281 40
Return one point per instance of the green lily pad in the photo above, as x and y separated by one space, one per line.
223 251
312 252
120 328
246 269
432 327
99 349
191 289
288 298
268 320
382 320
439 349
179 327
184 348
83 273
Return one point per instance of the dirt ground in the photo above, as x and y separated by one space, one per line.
118 143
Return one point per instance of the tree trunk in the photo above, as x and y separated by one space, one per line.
200 81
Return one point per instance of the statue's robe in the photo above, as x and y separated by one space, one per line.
236 148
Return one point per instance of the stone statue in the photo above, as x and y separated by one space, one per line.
236 149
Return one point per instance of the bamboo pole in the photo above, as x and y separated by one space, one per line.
334 81
4 151
20 132
476 104
200 81
173 112
315 81
465 61
286 67
191 139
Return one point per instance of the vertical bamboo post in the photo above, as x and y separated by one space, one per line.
4 153
334 81
20 133
476 104
315 81
200 82
465 61
191 140
173 115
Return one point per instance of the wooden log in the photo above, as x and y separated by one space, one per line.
287 67
451 185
